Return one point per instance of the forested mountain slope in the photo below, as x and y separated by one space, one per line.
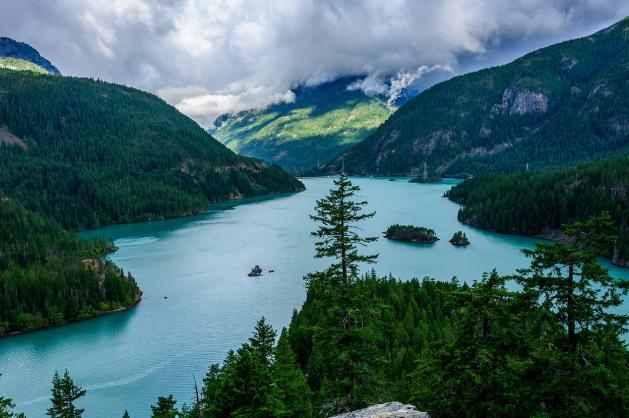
50 277
562 104
322 122
10 48
88 153
534 203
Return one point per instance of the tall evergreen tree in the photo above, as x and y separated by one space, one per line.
126 414
573 284
263 340
337 237
64 394
244 386
586 369
345 361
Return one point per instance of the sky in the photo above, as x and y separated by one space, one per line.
209 57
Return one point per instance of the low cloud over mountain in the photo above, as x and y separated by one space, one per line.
214 57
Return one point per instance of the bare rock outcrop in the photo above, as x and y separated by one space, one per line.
518 101
386 410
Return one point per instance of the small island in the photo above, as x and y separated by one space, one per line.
459 239
256 271
410 233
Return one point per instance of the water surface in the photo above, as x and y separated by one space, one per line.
199 302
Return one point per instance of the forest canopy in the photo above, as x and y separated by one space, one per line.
49 277
88 153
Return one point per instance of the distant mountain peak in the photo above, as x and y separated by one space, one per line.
14 49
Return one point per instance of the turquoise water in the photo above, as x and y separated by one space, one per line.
125 360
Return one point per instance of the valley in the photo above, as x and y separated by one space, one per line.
322 122
272 210
128 359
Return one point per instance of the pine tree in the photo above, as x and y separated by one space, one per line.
165 407
584 368
126 414
263 340
337 213
573 283
290 381
64 393
344 361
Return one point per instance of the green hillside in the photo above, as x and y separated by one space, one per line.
20 65
322 122
553 107
539 203
88 153
50 277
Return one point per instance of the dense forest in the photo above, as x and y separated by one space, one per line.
553 107
89 153
50 277
551 348
539 203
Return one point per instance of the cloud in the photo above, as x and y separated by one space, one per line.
404 79
213 56
204 106
393 87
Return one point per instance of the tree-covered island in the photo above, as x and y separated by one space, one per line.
411 233
459 239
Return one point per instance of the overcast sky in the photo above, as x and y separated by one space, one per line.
209 57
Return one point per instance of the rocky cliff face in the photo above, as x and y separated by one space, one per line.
12 48
386 410
516 101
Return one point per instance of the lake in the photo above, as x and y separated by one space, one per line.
199 302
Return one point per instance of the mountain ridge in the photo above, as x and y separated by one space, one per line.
558 105
88 153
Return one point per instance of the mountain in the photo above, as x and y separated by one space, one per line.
20 52
558 105
539 203
322 122
88 153
50 277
